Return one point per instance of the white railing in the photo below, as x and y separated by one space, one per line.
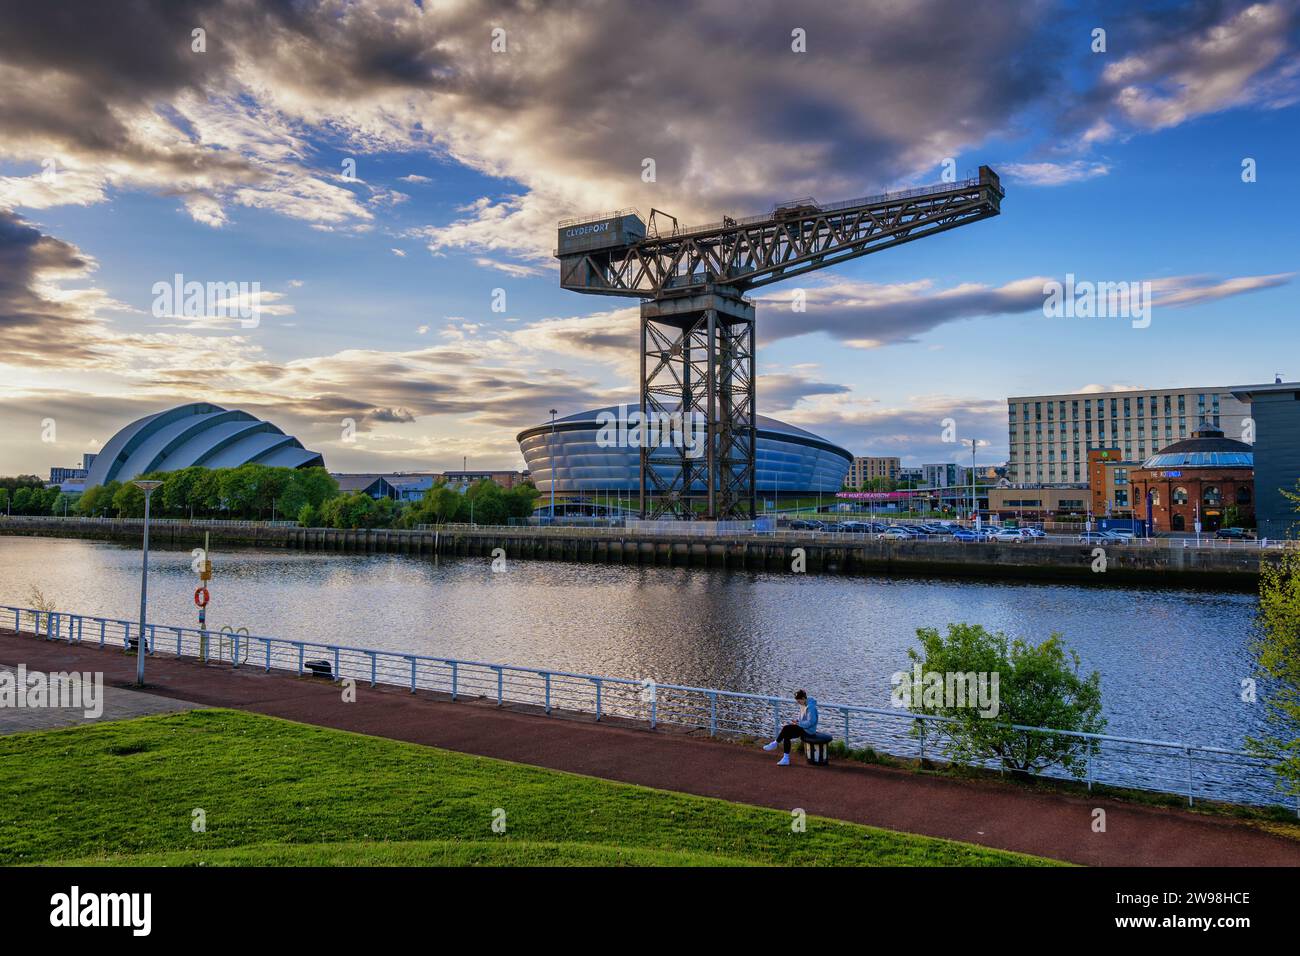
1193 771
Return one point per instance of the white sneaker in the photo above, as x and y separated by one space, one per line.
784 761
772 746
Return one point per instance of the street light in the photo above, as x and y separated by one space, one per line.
148 487
552 451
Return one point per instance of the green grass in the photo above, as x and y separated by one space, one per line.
280 793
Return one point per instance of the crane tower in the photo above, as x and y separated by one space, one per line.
697 326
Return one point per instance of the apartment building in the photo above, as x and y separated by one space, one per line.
1050 435
866 468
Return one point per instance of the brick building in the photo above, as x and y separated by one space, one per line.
1198 478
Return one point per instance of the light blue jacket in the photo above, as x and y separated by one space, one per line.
810 722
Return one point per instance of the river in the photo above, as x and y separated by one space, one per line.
1171 661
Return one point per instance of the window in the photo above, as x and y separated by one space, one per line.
1155 496
1180 496
1212 497
1243 495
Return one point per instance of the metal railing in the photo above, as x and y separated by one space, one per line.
1193 771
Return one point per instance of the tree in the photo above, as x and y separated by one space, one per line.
1276 649
308 486
128 501
4 500
1037 686
307 516
178 487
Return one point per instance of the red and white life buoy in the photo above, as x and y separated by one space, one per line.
201 597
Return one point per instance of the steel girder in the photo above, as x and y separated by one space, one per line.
697 371
753 253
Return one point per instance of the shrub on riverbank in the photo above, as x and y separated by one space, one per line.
1033 685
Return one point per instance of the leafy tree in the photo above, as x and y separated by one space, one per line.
307 486
128 501
1038 686
178 488
307 516
352 510
1276 648
22 500
4 500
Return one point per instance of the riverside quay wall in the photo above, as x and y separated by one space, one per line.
1155 563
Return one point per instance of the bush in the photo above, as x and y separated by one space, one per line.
1036 686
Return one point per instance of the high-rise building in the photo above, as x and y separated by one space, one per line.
1050 435
942 475
866 468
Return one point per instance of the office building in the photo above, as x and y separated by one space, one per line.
1050 435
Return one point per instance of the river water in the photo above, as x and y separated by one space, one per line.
1171 661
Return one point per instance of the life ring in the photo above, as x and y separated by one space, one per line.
201 597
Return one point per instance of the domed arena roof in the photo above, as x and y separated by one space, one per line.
1207 448
787 458
196 434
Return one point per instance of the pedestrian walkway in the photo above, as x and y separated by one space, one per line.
119 703
986 813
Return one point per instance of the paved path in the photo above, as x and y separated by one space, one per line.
118 703
989 813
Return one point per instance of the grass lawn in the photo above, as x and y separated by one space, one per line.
281 793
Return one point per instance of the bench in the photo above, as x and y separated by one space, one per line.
319 669
814 749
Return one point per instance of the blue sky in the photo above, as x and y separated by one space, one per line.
226 165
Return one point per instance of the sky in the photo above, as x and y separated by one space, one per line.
388 175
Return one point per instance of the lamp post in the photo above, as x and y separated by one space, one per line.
974 505
148 487
552 451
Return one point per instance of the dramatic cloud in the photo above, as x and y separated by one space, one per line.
868 315
1189 61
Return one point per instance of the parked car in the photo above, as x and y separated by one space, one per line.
970 534
1010 534
1098 537
898 532
806 524
1034 532
1234 534
1124 534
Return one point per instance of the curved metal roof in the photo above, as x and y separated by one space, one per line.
196 434
1207 448
767 427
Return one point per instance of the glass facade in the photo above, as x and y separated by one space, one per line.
789 459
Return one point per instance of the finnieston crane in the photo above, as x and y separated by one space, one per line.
697 327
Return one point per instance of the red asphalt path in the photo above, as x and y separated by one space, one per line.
986 813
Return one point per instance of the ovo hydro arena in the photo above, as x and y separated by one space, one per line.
592 474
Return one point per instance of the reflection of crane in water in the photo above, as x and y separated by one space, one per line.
697 327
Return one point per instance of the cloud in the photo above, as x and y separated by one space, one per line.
869 315
1194 60
1053 174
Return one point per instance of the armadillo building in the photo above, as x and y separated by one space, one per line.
571 453
196 434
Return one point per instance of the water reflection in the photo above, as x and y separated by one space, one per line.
1171 661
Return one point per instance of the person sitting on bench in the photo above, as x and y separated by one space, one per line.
796 729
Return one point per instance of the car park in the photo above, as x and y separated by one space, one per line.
898 532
